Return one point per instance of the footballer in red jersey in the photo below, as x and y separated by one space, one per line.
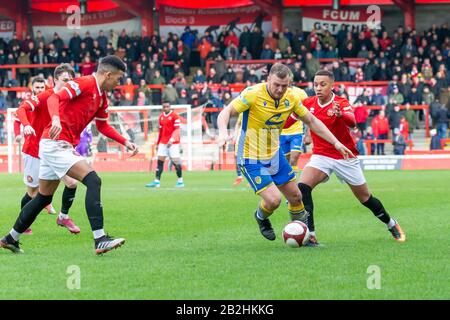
34 116
337 114
71 109
168 145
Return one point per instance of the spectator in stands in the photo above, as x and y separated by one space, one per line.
435 143
278 55
212 76
312 66
427 96
359 75
170 94
87 67
138 74
404 128
398 142
204 48
414 97
380 126
38 38
179 81
442 120
361 115
2 121
396 96
183 97
158 78
251 76
231 52
410 117
267 53
394 118
270 41
370 136
229 76
199 77
256 40
377 99
283 43
358 138
3 105
58 42
188 38
245 55
143 87
24 73
245 39
363 98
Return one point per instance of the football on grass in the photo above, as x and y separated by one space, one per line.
295 234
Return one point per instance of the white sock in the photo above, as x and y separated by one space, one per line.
312 233
180 179
98 233
14 234
391 223
63 216
156 180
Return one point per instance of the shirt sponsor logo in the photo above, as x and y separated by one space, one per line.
274 120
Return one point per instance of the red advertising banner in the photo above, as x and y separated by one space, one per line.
65 24
173 19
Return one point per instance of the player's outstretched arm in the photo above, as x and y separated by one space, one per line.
222 122
322 131
108 131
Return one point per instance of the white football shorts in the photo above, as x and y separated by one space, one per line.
57 157
348 171
31 170
169 150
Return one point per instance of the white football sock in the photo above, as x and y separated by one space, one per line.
98 233
391 223
14 234
63 216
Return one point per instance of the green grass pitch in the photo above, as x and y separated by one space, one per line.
202 243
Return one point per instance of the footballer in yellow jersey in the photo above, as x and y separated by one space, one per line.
265 108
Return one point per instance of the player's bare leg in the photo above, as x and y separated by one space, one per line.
29 213
364 196
271 199
295 204
309 179
68 196
293 160
159 170
83 172
177 163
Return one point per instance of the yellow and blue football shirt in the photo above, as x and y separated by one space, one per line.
262 120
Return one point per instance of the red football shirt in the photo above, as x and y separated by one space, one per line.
34 112
168 123
80 102
336 125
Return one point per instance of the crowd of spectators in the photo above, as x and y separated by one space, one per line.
416 64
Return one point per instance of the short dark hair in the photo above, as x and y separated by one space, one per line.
280 70
111 62
37 79
63 67
326 73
